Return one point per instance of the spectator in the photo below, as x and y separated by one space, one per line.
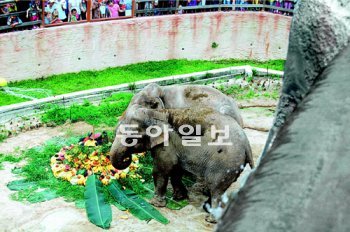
238 2
103 9
122 6
48 17
53 6
95 9
180 11
288 5
277 4
61 9
74 17
55 17
83 9
13 21
114 10
33 12
192 3
5 9
74 4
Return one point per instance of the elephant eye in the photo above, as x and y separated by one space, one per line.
154 105
128 140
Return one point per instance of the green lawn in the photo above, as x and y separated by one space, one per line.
72 82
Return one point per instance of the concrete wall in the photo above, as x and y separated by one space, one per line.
240 35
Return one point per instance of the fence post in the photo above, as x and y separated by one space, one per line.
264 3
177 6
42 13
89 10
220 2
133 11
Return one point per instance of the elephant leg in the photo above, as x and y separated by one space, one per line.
160 184
218 184
180 191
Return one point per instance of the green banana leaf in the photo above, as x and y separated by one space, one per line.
97 210
40 196
18 185
135 204
119 206
170 203
17 170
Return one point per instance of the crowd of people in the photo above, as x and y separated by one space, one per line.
154 7
14 13
59 11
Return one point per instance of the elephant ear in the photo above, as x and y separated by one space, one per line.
146 100
156 118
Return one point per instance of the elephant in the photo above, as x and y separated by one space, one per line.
302 182
218 165
186 96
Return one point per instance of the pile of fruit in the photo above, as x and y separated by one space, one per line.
76 162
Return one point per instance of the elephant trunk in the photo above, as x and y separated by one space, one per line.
120 158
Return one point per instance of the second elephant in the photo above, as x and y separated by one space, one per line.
218 164
154 96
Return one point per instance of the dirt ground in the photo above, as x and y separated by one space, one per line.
58 215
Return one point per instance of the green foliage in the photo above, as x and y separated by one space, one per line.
105 113
249 92
98 211
6 99
18 185
3 136
192 78
71 82
132 86
208 75
41 195
38 170
170 203
136 205
9 158
214 45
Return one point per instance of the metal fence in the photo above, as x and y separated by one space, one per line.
18 15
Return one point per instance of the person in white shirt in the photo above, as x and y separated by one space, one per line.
75 4
53 5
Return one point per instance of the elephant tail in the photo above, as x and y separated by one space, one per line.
249 156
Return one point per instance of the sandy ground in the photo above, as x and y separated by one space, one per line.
58 215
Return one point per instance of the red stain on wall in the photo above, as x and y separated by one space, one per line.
173 34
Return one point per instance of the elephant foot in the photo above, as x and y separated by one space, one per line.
158 201
211 219
180 195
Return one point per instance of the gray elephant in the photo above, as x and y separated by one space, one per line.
218 165
154 96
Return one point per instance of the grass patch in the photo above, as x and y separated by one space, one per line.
9 158
6 99
103 114
248 92
72 82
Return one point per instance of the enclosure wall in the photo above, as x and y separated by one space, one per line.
215 35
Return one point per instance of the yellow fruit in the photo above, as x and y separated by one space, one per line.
3 82
81 180
116 176
122 175
135 158
105 181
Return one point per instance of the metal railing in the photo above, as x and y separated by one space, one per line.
139 8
